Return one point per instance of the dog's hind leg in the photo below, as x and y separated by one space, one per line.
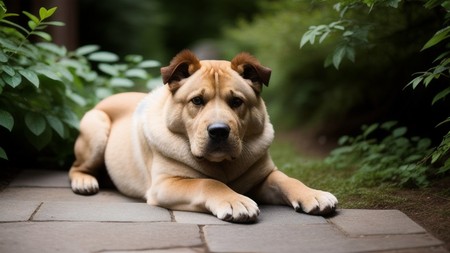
89 152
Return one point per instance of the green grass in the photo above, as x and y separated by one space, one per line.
318 175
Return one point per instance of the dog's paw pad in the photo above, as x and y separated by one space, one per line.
85 185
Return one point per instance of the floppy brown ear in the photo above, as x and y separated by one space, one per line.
183 65
249 68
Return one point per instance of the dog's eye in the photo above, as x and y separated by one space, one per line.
198 101
236 102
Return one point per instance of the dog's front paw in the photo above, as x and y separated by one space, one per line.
239 209
84 184
316 202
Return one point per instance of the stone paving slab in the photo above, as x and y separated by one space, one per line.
95 236
98 211
39 213
61 194
356 222
304 238
14 210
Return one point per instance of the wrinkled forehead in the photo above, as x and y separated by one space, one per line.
218 78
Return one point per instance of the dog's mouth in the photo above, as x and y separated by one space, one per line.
215 157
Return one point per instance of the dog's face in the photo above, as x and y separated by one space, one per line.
216 104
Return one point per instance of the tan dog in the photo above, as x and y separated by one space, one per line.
198 144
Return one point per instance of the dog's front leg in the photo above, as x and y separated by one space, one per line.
278 188
202 195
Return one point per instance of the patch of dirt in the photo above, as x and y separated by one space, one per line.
429 207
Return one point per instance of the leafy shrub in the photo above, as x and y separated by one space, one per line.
393 159
44 88
354 35
384 44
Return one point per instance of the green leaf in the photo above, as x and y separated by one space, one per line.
108 69
35 123
30 76
32 24
71 119
56 124
3 57
423 144
121 82
437 37
32 17
149 64
18 27
443 122
3 154
138 73
416 81
40 141
81 101
343 140
388 125
9 70
324 36
428 79
42 35
393 3
134 58
53 23
103 92
370 129
350 53
338 55
6 120
48 73
441 95
51 47
103 56
84 50
305 38
12 81
44 13
399 131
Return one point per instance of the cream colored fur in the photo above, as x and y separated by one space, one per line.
160 147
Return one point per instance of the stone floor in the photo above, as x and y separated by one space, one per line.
39 213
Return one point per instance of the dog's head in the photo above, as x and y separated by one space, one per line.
216 104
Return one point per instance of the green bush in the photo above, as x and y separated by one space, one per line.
353 34
321 97
44 88
394 159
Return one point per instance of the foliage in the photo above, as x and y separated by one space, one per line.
354 35
395 159
324 99
44 88
354 32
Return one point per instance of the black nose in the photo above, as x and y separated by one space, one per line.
218 131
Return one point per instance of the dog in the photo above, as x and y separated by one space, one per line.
198 143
